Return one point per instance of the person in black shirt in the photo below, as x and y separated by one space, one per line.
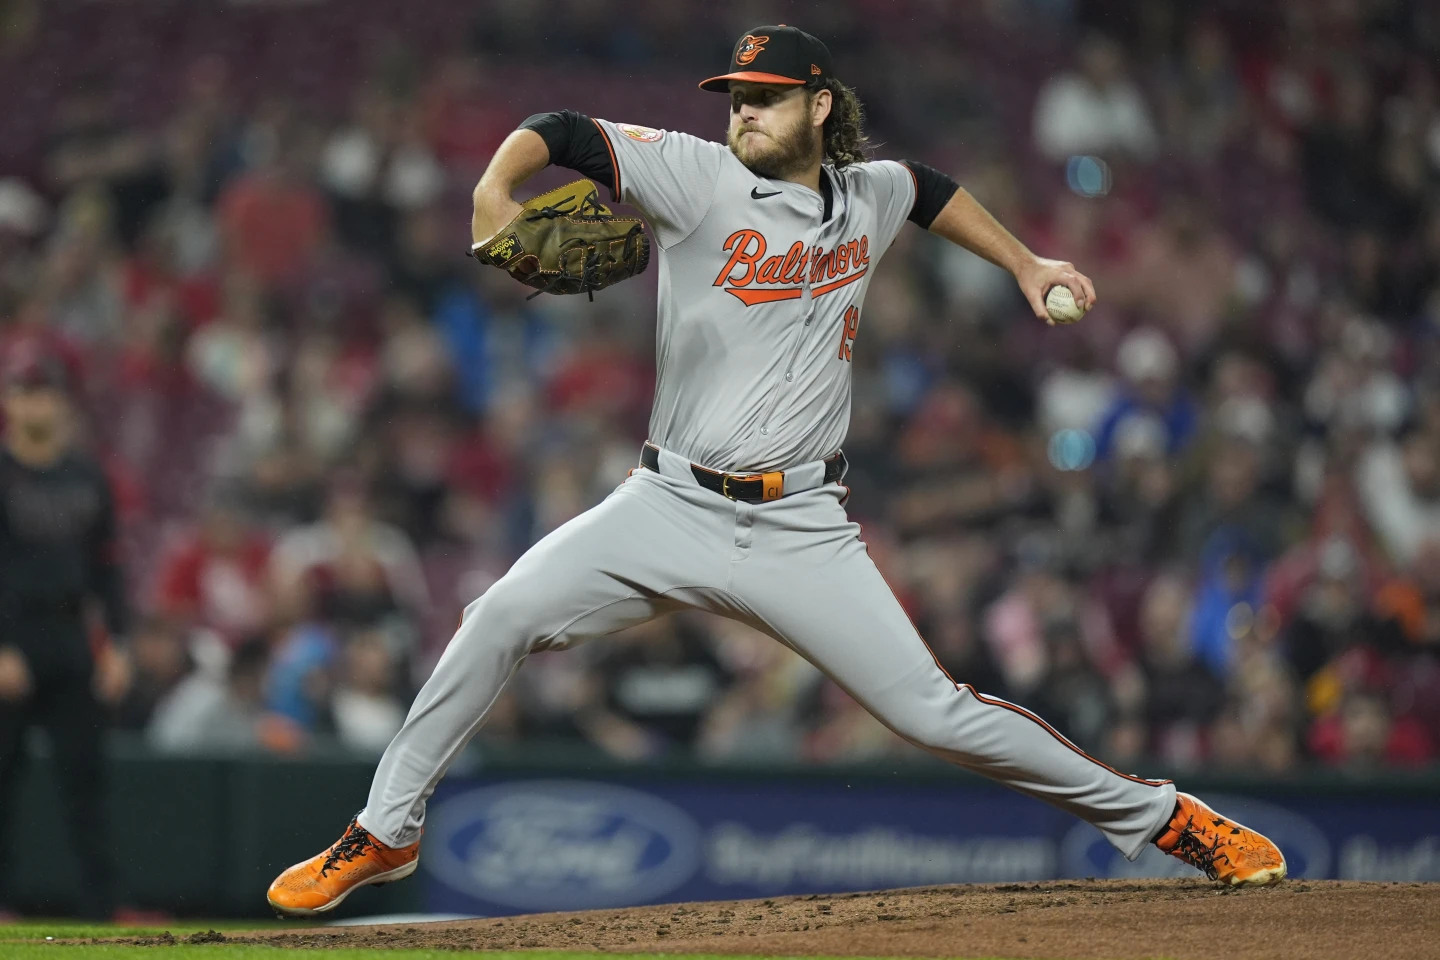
57 558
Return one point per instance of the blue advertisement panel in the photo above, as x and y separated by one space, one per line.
519 846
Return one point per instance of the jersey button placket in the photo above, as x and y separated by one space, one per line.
807 298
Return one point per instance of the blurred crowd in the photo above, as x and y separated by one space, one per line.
1200 528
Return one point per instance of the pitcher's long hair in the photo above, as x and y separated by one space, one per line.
844 130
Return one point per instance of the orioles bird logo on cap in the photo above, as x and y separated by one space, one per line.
749 47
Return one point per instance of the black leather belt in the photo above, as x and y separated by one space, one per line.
749 487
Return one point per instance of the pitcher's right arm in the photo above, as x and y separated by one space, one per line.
520 157
670 177
564 138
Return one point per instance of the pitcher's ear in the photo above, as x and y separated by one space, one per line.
822 104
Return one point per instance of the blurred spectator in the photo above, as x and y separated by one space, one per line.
1332 612
272 218
599 377
1152 388
214 576
377 167
1094 109
847 731
91 146
349 567
58 557
414 367
1142 496
1200 99
976 284
1073 695
1363 735
23 212
162 662
283 486
765 714
1399 486
233 354
1077 394
1233 495
1042 635
184 219
1342 158
367 713
1180 271
80 293
422 264
1227 598
1354 386
1181 696
300 677
227 713
660 681
1412 600
952 469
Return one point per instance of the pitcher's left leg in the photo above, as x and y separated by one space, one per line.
811 580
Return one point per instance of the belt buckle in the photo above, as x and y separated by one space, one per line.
725 479
772 485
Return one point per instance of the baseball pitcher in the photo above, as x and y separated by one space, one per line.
767 246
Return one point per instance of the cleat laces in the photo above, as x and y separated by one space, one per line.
1197 847
353 844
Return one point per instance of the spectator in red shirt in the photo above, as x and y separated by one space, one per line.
216 575
273 219
603 379
1364 733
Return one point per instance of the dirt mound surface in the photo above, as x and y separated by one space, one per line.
1113 919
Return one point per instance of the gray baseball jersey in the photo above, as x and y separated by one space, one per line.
760 298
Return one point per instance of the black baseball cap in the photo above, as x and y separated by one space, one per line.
776 54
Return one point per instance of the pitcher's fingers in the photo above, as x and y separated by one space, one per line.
1037 302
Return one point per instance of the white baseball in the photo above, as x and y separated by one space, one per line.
1060 304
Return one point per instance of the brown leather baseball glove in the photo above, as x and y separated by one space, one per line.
566 241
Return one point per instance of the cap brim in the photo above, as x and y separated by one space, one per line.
722 84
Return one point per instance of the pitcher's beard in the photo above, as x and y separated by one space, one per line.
786 152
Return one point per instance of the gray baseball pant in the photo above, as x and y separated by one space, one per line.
794 568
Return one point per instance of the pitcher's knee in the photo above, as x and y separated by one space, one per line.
929 732
506 614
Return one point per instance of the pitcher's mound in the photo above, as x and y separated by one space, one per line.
1067 920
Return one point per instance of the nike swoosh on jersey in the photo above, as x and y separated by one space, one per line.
755 194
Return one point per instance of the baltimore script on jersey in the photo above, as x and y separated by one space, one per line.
844 264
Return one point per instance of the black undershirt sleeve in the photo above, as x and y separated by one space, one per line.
933 190
575 143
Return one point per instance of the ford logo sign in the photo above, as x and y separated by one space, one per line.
1086 853
561 845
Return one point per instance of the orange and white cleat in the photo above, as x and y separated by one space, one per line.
1227 851
325 880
